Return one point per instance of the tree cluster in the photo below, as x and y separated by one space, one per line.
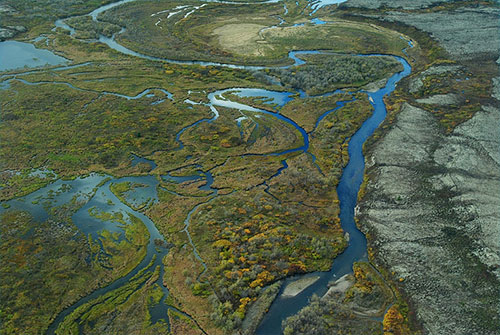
323 73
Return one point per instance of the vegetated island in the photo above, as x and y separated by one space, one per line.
148 188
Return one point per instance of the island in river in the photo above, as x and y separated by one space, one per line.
191 167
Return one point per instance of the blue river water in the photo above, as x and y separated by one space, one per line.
278 98
347 190
273 96
94 189
138 160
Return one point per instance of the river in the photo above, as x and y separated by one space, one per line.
347 191
105 200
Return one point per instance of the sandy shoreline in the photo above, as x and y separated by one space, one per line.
294 288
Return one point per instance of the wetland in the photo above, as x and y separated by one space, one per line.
194 167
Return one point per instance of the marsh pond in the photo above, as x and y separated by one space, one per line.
196 167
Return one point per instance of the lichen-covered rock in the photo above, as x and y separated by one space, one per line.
433 207
10 31
6 34
404 4
6 9
465 32
440 99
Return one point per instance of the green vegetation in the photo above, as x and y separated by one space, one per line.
475 91
103 124
182 325
132 246
212 144
39 16
349 307
121 191
63 265
472 79
325 73
249 244
87 28
123 309
181 283
178 38
329 140
231 33
13 184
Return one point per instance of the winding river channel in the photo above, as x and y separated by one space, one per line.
94 190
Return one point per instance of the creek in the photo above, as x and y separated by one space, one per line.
347 191
95 191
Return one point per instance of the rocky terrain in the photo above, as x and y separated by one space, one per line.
432 201
9 31
403 4
465 32
432 208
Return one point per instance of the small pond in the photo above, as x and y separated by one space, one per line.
14 55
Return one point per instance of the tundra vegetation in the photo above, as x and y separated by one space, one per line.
47 265
265 217
325 73
350 306
214 32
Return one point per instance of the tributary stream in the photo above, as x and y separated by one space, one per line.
95 191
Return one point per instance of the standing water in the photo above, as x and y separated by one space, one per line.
347 190
15 55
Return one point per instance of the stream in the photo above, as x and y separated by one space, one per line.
94 190
347 191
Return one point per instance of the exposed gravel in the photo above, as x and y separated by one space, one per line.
464 32
440 99
294 288
10 31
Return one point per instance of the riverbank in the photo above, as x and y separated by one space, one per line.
297 286
243 195
439 218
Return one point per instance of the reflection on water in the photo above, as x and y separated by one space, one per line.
95 191
272 97
347 191
315 5
15 55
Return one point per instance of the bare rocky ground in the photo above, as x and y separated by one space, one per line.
465 32
9 31
460 36
403 4
432 206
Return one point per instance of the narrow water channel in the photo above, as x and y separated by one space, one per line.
347 190
105 200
